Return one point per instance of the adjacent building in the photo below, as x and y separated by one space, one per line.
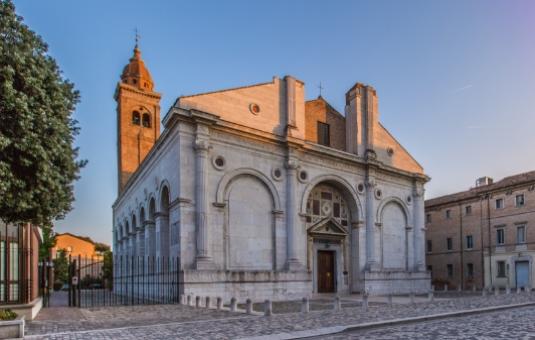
485 236
260 193
19 268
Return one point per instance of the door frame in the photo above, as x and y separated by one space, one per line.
336 248
528 274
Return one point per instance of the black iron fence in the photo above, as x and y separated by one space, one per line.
122 280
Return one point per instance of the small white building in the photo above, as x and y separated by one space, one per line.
263 194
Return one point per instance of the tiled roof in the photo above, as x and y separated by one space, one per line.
510 181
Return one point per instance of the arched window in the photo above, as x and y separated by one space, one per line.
146 120
136 118
325 201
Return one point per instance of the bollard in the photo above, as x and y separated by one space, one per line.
496 291
268 308
207 302
197 301
484 292
189 300
507 289
305 305
390 303
219 303
460 289
365 302
474 288
249 306
411 296
336 304
233 304
517 290
446 287
182 299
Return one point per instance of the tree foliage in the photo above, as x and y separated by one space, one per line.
61 267
101 247
38 162
49 242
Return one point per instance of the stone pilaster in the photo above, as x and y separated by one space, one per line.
201 146
140 251
419 227
132 244
150 239
371 255
162 235
291 211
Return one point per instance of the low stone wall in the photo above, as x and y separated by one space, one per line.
394 282
255 285
13 328
29 310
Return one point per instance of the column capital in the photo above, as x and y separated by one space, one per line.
370 183
201 145
292 164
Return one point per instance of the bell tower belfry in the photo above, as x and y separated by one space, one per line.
138 117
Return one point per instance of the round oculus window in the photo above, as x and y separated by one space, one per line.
219 162
254 108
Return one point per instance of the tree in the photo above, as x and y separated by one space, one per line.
101 247
38 162
107 268
61 267
49 241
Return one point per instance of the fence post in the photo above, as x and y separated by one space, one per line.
305 305
233 304
249 306
268 308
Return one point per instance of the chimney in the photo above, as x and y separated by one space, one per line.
362 119
485 180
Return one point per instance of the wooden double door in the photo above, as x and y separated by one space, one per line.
326 271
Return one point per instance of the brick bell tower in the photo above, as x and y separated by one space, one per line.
138 117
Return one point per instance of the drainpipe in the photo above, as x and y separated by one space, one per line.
489 239
482 245
461 244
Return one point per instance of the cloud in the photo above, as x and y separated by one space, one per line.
464 88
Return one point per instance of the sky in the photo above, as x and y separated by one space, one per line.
455 79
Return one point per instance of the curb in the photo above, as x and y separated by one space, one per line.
378 324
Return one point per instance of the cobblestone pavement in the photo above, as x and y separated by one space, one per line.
183 322
510 324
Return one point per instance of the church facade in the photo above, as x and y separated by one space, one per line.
262 194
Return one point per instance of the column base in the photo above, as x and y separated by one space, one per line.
204 263
294 265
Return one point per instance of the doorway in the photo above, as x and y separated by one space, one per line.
326 271
522 273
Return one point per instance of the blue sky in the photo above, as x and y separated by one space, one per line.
455 79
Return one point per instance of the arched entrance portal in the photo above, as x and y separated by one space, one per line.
328 223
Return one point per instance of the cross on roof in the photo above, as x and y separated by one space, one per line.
137 36
320 87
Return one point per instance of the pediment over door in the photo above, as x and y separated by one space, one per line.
327 228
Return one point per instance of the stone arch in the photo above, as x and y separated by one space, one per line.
152 209
392 200
393 219
226 181
341 184
250 224
164 193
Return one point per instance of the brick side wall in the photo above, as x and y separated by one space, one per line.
319 111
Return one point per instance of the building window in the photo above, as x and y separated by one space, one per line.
521 234
468 210
136 118
323 134
501 269
500 236
428 218
470 270
449 242
429 246
450 271
519 200
469 242
448 214
146 120
499 203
